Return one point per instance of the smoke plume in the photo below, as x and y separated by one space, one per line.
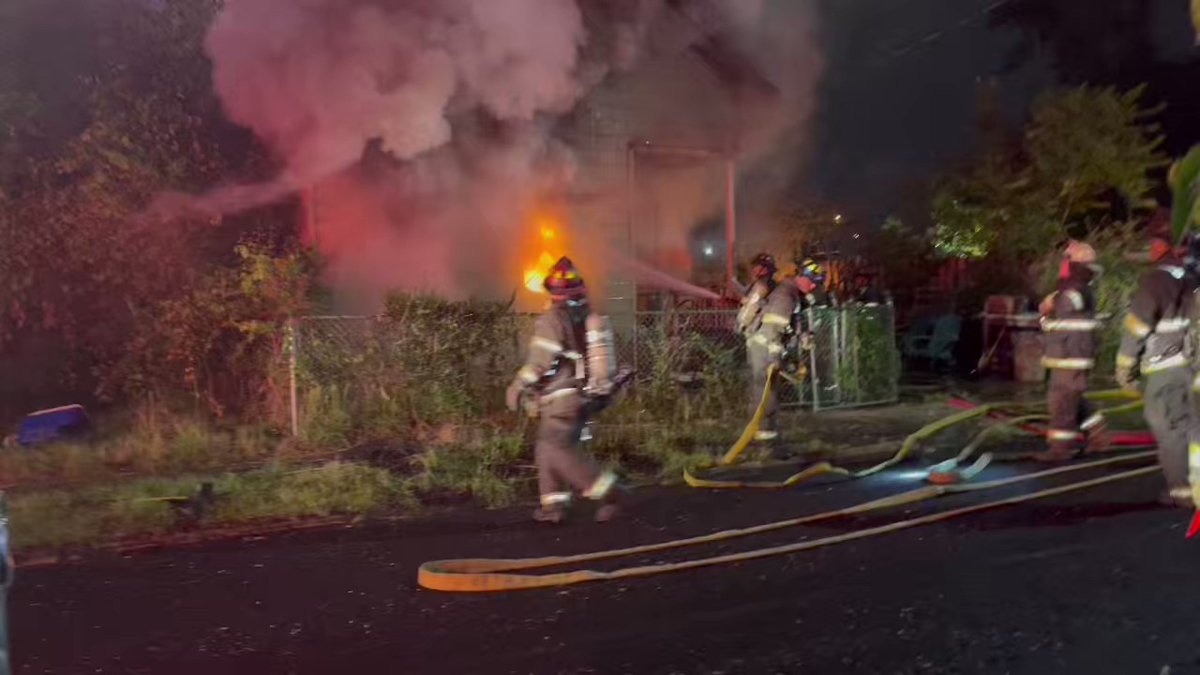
427 131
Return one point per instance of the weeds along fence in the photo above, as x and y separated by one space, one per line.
431 363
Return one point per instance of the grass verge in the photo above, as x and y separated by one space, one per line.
59 518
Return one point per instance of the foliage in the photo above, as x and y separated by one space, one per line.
424 363
1086 152
1195 6
140 508
154 442
223 342
870 369
1113 288
486 470
1184 179
687 370
906 256
82 266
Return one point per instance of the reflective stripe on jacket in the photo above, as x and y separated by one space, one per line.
555 360
1070 327
777 317
1154 332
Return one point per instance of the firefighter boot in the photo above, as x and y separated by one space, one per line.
1098 440
1180 498
553 508
551 513
613 504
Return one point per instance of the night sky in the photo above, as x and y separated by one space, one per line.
903 79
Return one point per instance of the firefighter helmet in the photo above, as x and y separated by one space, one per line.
813 271
564 281
763 265
1079 252
1158 230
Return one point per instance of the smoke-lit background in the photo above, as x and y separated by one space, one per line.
428 137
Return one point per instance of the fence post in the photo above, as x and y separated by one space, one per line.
293 339
814 376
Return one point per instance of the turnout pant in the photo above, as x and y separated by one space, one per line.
760 360
1070 414
1169 412
558 453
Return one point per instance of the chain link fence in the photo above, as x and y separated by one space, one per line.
424 369
854 361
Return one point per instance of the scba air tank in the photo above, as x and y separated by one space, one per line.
601 355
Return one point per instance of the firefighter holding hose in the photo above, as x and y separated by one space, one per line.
770 335
1069 324
1154 348
569 374
763 270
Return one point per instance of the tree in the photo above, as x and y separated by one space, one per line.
1087 157
81 267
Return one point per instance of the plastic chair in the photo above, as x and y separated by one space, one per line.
936 343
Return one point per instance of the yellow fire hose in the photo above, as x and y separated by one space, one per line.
906 449
501 574
739 446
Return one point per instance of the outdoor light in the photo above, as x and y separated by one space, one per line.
708 250
837 218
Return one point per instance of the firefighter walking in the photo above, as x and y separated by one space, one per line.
1069 324
569 369
1154 348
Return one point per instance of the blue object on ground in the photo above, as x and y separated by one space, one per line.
46 426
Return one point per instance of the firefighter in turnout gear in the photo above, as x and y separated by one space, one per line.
1069 324
570 366
750 315
768 340
812 283
1154 347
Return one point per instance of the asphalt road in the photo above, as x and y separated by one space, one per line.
1096 582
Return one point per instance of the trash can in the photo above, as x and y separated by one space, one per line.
1027 357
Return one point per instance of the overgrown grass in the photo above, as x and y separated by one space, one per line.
425 384
426 362
490 471
142 507
162 444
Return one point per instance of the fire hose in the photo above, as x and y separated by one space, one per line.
509 574
967 412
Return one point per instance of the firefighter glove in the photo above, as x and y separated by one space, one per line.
512 397
806 341
1126 376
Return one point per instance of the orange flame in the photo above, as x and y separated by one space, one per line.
535 274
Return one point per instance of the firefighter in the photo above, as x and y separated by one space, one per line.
556 377
1153 347
812 278
768 343
1069 324
762 283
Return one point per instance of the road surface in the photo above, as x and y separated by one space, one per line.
1096 582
